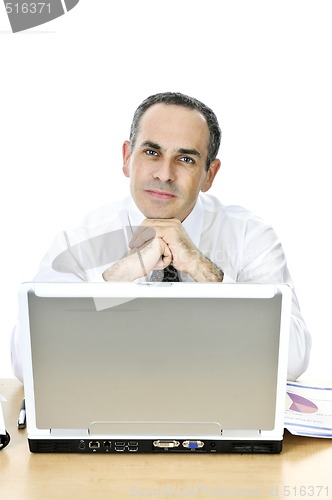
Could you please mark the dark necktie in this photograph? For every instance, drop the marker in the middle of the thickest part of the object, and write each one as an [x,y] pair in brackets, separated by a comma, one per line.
[167,274]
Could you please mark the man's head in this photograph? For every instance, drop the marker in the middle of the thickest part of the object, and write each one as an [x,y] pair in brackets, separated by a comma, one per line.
[171,155]
[179,99]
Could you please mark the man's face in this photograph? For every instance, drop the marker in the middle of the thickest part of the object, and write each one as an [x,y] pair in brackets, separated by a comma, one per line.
[167,165]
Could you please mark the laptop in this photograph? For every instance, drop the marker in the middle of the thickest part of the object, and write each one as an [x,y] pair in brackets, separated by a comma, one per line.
[155,367]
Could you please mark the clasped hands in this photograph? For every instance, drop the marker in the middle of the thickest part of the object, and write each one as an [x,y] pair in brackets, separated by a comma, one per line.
[157,243]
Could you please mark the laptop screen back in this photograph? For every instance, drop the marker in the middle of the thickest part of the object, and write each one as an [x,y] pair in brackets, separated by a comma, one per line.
[177,363]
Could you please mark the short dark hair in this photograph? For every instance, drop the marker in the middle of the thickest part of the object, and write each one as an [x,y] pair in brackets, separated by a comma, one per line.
[178,99]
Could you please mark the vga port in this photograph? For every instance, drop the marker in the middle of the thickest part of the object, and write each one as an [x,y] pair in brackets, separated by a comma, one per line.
[193,445]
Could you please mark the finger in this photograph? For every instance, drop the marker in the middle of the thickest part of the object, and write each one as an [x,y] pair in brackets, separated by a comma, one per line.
[160,265]
[167,256]
[164,261]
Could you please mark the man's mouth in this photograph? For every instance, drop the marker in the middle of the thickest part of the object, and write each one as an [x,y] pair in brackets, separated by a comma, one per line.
[160,194]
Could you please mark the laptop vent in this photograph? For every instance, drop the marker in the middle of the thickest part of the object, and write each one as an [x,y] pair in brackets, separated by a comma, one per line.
[53,446]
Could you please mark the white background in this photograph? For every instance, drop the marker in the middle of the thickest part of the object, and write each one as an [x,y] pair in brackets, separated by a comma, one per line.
[68,90]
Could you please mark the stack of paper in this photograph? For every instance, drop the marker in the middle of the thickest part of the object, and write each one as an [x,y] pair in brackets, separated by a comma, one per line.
[308,410]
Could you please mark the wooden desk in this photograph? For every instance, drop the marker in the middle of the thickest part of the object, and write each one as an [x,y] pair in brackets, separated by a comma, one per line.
[302,470]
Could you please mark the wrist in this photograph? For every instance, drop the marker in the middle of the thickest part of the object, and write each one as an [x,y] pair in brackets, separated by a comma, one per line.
[127,269]
[203,269]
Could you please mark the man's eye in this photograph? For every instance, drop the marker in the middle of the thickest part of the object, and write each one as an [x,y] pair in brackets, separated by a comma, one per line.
[187,160]
[150,152]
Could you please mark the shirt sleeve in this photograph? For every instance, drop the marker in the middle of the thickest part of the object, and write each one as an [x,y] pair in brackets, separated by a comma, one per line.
[62,263]
[68,270]
[264,261]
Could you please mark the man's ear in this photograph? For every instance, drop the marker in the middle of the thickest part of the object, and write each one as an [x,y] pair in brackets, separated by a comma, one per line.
[126,154]
[210,175]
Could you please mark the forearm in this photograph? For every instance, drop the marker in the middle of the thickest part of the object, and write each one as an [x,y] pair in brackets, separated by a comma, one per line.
[129,268]
[203,269]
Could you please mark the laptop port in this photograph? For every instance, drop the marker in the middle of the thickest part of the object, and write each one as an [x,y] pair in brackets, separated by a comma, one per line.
[81,445]
[94,445]
[166,444]
[119,446]
[132,446]
[193,445]
[107,444]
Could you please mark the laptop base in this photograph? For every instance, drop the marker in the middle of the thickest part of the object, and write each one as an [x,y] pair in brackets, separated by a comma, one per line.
[105,446]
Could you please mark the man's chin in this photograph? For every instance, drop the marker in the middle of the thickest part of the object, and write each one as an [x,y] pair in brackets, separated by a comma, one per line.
[156,211]
[159,215]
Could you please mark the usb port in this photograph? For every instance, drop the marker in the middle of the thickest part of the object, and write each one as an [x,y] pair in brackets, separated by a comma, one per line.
[119,446]
[132,446]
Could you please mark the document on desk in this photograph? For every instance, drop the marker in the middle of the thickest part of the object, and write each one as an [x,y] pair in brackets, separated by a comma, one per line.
[308,410]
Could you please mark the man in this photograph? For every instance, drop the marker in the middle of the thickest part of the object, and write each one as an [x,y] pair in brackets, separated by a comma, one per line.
[168,163]
[169,229]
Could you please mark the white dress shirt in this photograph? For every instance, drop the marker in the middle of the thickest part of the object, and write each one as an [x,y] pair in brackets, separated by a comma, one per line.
[237,241]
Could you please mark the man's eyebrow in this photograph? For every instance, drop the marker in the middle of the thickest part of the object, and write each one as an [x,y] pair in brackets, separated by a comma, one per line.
[150,145]
[192,152]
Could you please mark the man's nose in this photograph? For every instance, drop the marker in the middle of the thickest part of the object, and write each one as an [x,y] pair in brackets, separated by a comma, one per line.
[165,170]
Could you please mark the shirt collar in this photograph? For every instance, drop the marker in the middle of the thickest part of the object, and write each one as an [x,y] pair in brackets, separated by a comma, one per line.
[192,224]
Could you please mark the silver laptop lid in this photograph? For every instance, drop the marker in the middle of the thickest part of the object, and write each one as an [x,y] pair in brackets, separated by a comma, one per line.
[170,359]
